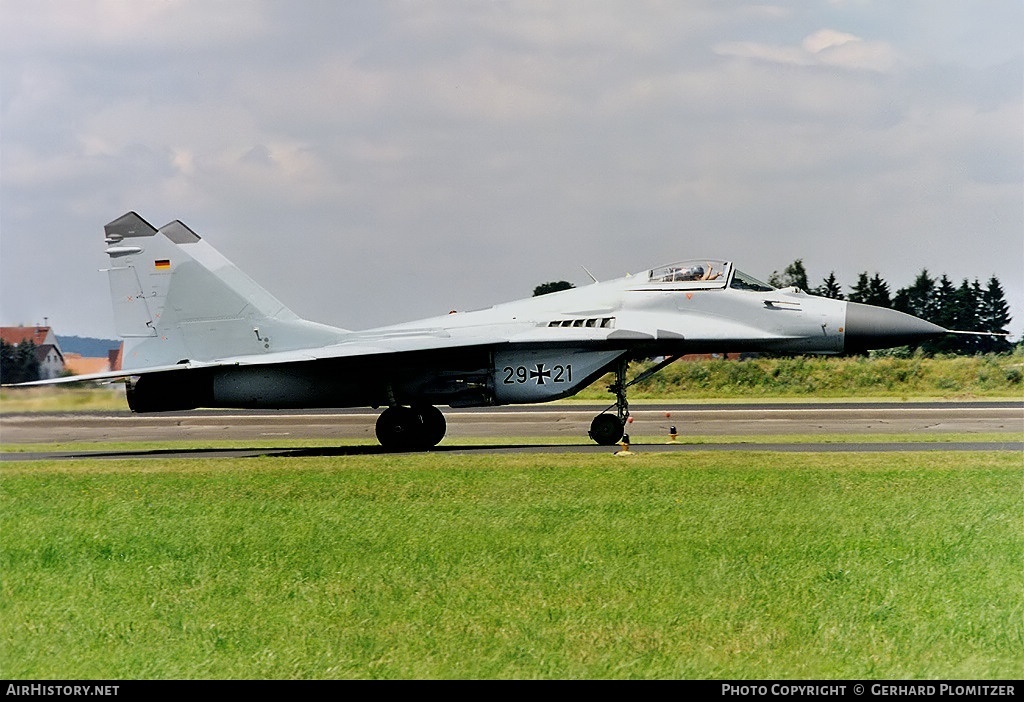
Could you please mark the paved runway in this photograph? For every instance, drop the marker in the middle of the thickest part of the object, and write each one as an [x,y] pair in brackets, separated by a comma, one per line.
[565,422]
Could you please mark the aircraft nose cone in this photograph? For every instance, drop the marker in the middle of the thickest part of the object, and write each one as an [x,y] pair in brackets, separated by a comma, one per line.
[870,327]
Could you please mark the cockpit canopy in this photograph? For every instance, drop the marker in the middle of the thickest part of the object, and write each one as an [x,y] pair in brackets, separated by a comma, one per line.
[706,273]
[702,270]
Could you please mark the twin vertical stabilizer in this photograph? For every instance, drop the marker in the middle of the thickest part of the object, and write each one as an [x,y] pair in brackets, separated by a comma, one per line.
[177,299]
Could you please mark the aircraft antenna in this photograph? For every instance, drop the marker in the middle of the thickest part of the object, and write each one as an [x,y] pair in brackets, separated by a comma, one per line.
[590,274]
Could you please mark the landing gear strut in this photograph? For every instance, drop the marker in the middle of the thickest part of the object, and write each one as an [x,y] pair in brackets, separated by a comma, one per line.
[405,428]
[607,429]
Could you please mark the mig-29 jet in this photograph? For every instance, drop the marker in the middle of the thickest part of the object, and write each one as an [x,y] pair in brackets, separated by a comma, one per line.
[200,333]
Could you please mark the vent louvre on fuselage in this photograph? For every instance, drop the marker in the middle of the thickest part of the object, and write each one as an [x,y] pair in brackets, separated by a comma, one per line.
[596,322]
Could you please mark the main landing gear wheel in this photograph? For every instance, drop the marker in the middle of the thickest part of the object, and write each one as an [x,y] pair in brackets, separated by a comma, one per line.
[606,429]
[405,428]
[433,425]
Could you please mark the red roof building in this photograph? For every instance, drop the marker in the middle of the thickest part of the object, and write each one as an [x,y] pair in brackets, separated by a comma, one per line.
[37,335]
[48,353]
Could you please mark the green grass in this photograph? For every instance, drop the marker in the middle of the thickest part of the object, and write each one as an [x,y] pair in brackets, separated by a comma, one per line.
[703,565]
[63,398]
[824,377]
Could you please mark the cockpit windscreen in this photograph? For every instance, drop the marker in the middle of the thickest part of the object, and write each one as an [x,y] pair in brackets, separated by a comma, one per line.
[742,281]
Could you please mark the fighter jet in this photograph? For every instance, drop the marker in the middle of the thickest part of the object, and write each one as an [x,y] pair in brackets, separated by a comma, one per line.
[198,332]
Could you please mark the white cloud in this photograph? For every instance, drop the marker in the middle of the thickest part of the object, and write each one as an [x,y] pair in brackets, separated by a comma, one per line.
[87,25]
[825,47]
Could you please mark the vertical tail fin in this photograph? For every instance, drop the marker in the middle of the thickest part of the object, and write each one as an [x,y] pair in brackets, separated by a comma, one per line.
[176,298]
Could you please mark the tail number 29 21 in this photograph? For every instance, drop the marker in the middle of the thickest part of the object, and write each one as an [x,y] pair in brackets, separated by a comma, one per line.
[538,374]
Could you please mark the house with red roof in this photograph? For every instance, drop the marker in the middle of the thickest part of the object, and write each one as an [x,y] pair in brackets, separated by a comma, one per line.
[48,353]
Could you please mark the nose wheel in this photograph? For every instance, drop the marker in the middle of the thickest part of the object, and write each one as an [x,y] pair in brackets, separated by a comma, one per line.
[607,429]
[410,428]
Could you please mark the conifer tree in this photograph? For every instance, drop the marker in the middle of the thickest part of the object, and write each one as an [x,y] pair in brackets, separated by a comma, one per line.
[917,299]
[871,291]
[18,362]
[878,292]
[994,316]
[860,291]
[830,288]
[945,316]
[958,311]
[944,291]
[966,300]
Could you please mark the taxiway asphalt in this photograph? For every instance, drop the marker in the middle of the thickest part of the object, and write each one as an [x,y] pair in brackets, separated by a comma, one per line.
[468,429]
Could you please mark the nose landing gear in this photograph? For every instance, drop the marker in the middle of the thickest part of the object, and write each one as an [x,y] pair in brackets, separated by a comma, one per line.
[607,429]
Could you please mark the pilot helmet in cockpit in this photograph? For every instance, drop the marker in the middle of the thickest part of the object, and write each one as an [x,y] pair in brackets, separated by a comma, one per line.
[692,273]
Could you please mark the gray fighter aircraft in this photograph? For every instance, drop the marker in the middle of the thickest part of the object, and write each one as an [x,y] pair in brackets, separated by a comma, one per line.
[200,333]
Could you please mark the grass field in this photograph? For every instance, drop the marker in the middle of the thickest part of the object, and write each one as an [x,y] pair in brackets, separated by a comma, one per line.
[733,565]
[704,565]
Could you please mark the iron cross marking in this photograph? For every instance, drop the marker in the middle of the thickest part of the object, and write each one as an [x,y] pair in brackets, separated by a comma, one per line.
[540,374]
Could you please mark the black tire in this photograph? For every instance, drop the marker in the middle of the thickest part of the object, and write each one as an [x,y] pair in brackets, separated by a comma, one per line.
[398,428]
[432,425]
[606,429]
[410,428]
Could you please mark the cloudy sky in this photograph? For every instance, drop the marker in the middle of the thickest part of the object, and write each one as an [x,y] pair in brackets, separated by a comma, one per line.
[372,162]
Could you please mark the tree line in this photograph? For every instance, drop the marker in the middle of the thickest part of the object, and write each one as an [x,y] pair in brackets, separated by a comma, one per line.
[969,306]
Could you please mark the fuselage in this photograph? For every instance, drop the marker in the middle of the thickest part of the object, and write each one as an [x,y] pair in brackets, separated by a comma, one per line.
[551,346]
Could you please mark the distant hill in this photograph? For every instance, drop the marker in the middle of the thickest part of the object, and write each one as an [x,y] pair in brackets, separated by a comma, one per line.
[87,346]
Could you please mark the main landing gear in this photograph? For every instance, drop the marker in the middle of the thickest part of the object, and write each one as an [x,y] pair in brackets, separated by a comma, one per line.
[405,428]
[608,429]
